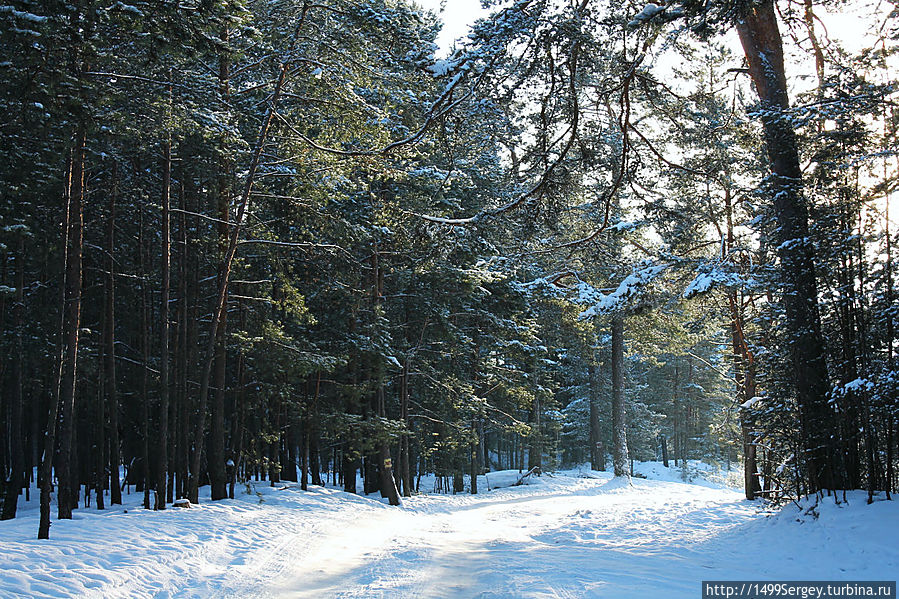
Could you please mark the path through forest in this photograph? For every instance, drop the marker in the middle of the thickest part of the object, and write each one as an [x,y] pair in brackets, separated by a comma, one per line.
[568,535]
[563,538]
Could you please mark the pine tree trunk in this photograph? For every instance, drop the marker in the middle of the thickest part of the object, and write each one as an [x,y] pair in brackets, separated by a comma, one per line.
[304,453]
[597,459]
[308,432]
[890,336]
[751,485]
[384,463]
[349,467]
[67,477]
[535,447]
[216,456]
[145,372]
[762,44]
[850,424]
[385,470]
[112,399]
[16,480]
[744,368]
[405,474]
[225,274]
[315,461]
[100,461]
[289,455]
[5,457]
[483,466]
[46,466]
[238,430]
[458,478]
[619,413]
[473,462]
[162,446]
[192,335]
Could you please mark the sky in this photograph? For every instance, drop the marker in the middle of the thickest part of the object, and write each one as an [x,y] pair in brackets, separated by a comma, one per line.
[458,15]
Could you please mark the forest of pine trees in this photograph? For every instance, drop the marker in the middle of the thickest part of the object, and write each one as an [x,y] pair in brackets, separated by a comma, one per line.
[292,241]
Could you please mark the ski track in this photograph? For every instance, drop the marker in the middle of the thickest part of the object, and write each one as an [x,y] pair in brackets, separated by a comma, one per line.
[565,537]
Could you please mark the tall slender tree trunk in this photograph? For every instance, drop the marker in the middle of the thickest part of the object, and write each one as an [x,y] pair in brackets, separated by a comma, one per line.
[744,367]
[349,454]
[5,450]
[535,445]
[619,412]
[216,458]
[308,431]
[109,369]
[597,459]
[473,459]
[16,480]
[162,446]
[762,44]
[385,462]
[890,414]
[217,474]
[274,448]
[67,477]
[745,375]
[191,335]
[405,472]
[238,429]
[315,461]
[289,454]
[483,466]
[100,459]
[225,274]
[387,482]
[145,370]
[46,466]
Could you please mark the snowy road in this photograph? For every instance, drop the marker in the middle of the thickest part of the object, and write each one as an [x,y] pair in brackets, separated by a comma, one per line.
[564,537]
[568,538]
[577,537]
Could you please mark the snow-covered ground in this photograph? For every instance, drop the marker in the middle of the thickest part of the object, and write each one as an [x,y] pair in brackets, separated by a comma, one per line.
[572,534]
